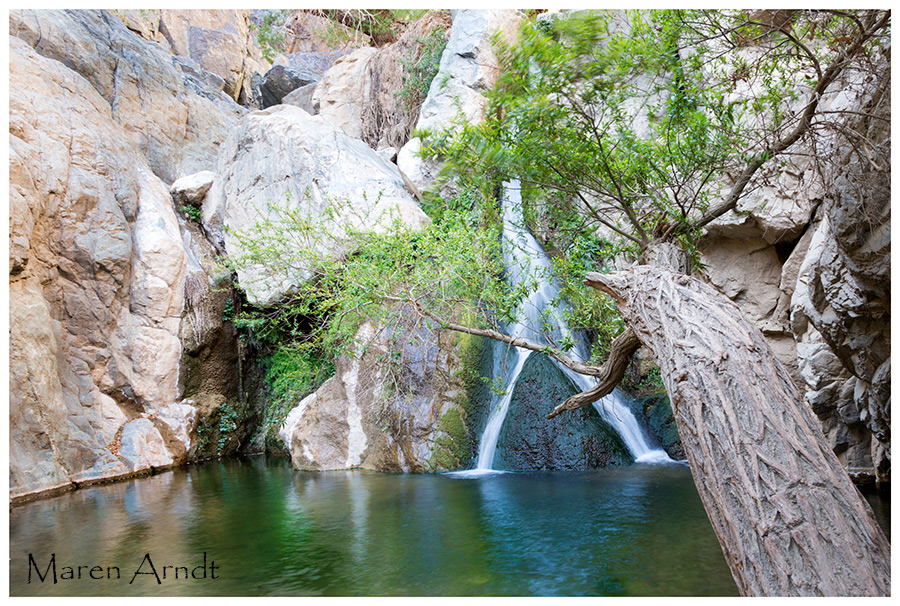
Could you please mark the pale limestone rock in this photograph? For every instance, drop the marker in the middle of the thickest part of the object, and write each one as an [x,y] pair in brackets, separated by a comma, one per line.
[282,155]
[747,271]
[286,431]
[468,68]
[779,209]
[351,421]
[221,41]
[145,23]
[143,447]
[182,419]
[177,130]
[97,270]
[192,188]
[340,94]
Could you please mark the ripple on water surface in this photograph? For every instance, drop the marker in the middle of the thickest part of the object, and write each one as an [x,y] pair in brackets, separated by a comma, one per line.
[270,530]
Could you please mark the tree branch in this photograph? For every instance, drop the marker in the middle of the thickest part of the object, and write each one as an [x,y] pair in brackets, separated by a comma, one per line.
[828,77]
[623,347]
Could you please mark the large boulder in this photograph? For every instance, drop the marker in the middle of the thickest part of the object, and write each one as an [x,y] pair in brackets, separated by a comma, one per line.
[176,129]
[282,157]
[341,93]
[370,92]
[407,401]
[97,271]
[221,42]
[282,80]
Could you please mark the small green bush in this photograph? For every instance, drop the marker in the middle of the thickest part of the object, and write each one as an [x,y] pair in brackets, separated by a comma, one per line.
[418,72]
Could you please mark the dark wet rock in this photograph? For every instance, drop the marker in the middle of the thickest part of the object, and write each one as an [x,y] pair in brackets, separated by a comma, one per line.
[576,440]
[281,80]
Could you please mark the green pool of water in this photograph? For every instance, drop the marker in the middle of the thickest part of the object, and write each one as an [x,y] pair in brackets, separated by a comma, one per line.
[270,530]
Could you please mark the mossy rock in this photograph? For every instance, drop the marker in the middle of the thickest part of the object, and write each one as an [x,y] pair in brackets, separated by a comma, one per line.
[654,414]
[578,439]
[454,449]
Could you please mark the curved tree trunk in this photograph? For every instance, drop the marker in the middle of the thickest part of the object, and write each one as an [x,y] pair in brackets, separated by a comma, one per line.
[788,518]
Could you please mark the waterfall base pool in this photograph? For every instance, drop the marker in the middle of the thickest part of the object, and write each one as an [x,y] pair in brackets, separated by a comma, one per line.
[270,530]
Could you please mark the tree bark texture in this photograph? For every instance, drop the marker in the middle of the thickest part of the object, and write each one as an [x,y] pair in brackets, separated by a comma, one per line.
[790,521]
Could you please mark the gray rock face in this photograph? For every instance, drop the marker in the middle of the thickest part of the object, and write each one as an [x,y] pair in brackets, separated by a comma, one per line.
[176,130]
[284,156]
[282,80]
[528,441]
[468,68]
[220,41]
[302,98]
[426,422]
[811,267]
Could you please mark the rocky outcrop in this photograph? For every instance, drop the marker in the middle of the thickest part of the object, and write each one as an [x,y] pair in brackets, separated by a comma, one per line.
[111,292]
[528,441]
[808,260]
[96,286]
[341,94]
[177,128]
[368,93]
[468,68]
[282,80]
[221,42]
[414,411]
[840,309]
[283,158]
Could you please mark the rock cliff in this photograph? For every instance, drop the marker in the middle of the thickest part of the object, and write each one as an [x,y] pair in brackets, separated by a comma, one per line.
[100,122]
[807,258]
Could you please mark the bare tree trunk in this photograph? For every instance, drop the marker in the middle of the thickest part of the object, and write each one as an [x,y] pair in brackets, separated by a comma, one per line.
[788,518]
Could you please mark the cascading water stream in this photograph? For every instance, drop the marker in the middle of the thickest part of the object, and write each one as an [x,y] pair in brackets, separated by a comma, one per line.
[525,259]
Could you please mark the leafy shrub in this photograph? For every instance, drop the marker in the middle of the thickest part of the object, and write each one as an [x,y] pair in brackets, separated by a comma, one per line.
[420,68]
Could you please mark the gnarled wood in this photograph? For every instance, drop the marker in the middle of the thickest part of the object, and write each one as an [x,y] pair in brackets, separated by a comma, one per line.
[623,347]
[788,518]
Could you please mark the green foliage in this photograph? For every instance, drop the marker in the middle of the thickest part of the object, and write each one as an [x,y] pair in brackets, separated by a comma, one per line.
[270,33]
[222,431]
[293,370]
[420,68]
[191,212]
[228,422]
[634,123]
[455,260]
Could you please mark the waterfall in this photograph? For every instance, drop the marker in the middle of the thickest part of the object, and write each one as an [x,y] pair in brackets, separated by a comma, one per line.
[525,259]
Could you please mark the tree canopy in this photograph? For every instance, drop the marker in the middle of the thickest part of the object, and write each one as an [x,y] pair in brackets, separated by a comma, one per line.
[648,125]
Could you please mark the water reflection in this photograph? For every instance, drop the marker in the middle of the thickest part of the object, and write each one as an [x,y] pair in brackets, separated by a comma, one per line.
[271,530]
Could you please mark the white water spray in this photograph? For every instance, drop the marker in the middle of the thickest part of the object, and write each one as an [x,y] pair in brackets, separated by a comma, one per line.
[525,259]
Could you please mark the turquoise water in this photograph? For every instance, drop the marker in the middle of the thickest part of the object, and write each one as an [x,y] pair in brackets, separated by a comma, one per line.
[270,530]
